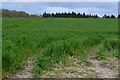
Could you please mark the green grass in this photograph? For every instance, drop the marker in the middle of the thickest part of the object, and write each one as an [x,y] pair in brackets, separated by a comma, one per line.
[53,39]
[108,48]
[0,48]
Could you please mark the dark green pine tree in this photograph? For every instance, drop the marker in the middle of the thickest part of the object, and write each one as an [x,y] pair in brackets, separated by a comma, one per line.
[112,16]
[44,14]
[83,15]
[119,16]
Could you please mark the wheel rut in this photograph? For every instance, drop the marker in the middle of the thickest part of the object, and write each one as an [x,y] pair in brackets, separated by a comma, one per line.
[26,72]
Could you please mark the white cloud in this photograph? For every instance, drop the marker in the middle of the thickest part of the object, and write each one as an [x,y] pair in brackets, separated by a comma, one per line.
[53,7]
[60,0]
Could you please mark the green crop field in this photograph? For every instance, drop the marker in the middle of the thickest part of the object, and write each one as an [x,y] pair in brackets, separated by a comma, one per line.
[52,40]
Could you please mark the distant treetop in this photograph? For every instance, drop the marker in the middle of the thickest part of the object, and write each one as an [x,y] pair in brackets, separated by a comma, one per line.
[13,13]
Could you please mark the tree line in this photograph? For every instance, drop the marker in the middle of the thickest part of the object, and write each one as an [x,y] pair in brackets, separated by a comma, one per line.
[74,15]
[13,13]
[69,15]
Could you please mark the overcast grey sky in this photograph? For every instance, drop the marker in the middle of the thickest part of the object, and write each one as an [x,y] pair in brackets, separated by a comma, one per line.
[99,8]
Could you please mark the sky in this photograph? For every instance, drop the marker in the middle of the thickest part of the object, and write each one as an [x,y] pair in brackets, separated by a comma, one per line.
[99,8]
[60,0]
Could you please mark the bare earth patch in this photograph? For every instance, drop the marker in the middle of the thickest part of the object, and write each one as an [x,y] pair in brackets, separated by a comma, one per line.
[82,71]
[92,68]
[75,71]
[103,72]
[79,70]
[26,72]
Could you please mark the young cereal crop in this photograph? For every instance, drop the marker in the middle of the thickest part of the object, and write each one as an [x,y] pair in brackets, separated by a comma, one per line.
[53,40]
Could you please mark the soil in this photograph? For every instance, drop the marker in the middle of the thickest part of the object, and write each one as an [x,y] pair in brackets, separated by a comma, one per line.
[26,72]
[95,69]
[79,70]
